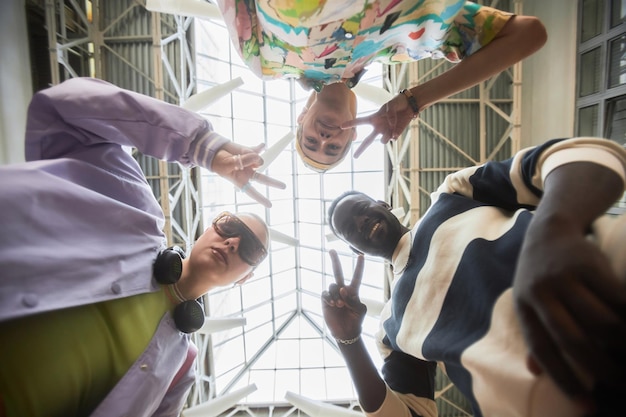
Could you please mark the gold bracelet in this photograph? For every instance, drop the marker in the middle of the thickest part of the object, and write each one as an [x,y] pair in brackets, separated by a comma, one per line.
[412,102]
[348,341]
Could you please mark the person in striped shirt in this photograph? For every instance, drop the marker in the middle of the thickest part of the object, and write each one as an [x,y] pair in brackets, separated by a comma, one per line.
[505,282]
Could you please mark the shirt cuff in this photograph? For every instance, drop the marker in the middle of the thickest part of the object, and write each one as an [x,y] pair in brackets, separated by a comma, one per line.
[600,151]
[203,150]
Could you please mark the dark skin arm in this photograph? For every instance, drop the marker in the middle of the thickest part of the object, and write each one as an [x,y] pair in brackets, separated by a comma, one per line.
[571,305]
[520,37]
[344,314]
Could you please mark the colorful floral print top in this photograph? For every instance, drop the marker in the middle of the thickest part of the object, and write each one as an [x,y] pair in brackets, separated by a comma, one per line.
[326,41]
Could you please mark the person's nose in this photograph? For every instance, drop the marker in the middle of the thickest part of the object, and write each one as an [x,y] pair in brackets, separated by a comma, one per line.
[233,243]
[325,134]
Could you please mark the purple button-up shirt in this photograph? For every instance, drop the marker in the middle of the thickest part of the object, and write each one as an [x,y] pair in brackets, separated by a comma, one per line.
[79,223]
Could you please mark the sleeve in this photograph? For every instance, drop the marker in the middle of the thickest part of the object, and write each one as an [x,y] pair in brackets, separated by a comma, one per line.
[177,393]
[518,182]
[246,34]
[474,27]
[410,387]
[82,113]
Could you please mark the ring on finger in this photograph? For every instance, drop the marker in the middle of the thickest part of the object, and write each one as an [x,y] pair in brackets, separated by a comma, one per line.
[240,162]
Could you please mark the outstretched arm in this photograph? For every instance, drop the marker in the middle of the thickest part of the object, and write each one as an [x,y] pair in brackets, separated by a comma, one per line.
[344,314]
[520,37]
[86,113]
[572,307]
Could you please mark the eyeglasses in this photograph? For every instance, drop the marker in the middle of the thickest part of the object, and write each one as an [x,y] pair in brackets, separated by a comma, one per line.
[251,250]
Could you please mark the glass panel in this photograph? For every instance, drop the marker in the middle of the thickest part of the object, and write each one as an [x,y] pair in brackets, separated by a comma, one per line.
[591,19]
[289,353]
[617,61]
[278,111]
[256,291]
[228,355]
[313,383]
[310,350]
[286,380]
[590,72]
[616,120]
[311,281]
[588,121]
[339,384]
[264,112]
[618,12]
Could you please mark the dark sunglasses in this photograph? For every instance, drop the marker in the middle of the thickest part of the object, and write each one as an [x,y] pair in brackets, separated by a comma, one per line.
[251,250]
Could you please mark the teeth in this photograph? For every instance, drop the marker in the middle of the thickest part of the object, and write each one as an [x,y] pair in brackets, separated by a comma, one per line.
[373,230]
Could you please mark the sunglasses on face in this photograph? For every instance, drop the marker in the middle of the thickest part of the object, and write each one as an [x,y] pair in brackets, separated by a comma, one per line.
[251,250]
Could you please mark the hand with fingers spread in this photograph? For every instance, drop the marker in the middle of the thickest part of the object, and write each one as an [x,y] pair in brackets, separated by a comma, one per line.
[343,310]
[570,303]
[572,308]
[388,122]
[238,164]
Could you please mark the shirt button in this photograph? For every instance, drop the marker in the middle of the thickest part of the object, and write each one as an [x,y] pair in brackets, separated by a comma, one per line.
[116,288]
[348,35]
[30,300]
[143,367]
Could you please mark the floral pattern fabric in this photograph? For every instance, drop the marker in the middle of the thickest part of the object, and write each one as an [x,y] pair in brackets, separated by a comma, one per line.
[328,41]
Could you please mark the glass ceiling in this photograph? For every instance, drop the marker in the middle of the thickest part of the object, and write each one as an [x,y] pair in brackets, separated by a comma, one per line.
[284,345]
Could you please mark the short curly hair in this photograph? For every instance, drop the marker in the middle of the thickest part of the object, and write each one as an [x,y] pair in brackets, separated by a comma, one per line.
[333,206]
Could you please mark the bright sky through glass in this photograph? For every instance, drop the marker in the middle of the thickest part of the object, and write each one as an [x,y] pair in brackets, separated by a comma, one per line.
[284,345]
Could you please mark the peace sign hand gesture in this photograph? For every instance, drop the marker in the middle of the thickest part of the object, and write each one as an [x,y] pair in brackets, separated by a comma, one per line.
[343,310]
[389,122]
[238,164]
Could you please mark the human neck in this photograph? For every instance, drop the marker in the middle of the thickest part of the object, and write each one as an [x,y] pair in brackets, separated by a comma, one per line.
[189,286]
[338,95]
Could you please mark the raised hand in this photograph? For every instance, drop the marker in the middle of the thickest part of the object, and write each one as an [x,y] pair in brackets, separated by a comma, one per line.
[238,164]
[343,310]
[389,122]
[572,310]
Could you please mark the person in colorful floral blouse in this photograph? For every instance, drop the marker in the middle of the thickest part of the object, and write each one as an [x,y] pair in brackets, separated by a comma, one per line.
[327,47]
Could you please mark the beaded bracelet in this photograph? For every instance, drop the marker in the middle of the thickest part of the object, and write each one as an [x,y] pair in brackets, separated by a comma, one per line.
[348,341]
[412,102]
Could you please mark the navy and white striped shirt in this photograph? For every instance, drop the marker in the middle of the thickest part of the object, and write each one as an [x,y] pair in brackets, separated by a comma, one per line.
[452,303]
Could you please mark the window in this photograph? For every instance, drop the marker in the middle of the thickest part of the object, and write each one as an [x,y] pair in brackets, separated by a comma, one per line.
[601,69]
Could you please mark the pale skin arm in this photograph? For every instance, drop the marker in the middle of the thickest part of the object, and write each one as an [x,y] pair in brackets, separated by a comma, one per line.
[520,37]
[571,305]
[344,314]
[238,164]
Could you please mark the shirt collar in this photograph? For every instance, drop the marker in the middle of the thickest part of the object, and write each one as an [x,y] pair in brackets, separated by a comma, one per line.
[318,83]
[400,257]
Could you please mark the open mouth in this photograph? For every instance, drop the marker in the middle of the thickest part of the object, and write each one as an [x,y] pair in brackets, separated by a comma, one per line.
[328,124]
[373,231]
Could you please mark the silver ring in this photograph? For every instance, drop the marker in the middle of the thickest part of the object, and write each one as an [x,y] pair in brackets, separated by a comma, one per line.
[255,176]
[240,162]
